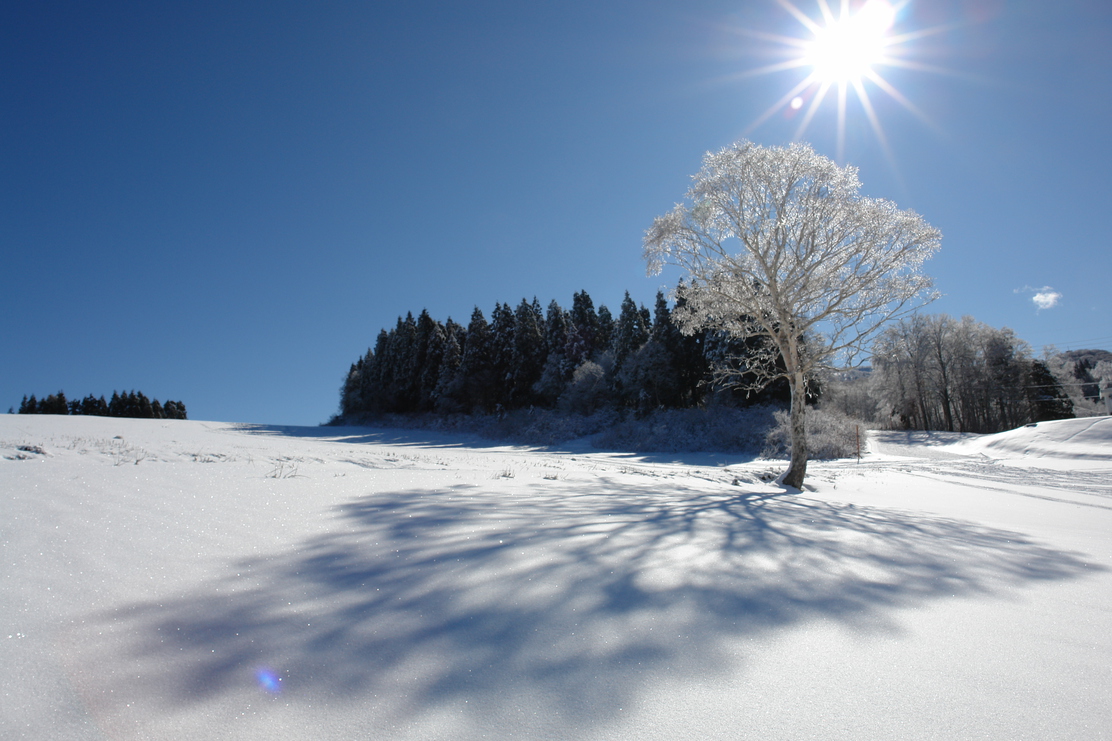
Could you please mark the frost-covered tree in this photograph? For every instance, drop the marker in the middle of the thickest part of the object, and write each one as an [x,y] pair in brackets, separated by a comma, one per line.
[778,243]
[934,372]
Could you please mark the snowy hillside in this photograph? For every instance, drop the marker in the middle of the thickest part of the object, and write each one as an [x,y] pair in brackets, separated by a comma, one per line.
[200,580]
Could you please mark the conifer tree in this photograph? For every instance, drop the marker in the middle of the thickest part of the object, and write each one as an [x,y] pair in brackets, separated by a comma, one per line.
[502,354]
[529,351]
[476,365]
[54,404]
[1045,395]
[401,388]
[433,340]
[349,390]
[143,408]
[374,375]
[631,331]
[557,368]
[583,332]
[606,328]
[449,385]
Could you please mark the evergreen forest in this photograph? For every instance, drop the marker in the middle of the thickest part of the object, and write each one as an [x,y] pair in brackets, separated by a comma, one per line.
[578,360]
[131,404]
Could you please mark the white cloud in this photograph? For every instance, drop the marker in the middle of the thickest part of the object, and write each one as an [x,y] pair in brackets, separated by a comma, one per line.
[1043,298]
[1046,298]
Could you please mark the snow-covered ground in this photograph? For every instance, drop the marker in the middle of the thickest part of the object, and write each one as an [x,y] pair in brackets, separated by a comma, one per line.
[198,580]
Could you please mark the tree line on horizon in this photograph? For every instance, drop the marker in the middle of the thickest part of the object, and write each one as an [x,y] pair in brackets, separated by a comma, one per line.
[929,372]
[130,404]
[579,360]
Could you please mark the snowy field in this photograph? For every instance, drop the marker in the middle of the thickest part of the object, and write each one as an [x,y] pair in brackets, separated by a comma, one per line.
[200,580]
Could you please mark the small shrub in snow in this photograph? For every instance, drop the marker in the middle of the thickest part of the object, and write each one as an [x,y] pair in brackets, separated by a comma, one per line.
[830,434]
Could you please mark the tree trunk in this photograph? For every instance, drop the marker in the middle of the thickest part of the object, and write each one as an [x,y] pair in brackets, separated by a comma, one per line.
[798,468]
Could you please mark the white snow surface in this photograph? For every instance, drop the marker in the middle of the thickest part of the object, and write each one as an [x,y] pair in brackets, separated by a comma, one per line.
[199,580]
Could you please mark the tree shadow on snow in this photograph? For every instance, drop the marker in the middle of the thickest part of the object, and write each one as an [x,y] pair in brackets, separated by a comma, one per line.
[423,438]
[411,437]
[552,603]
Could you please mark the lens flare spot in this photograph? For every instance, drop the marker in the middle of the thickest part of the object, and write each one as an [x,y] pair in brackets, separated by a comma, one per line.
[797,103]
[269,682]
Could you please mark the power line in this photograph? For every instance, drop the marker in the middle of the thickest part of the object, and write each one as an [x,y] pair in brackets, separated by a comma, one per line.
[1106,338]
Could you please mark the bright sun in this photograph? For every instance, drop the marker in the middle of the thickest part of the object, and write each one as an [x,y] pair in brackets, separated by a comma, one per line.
[846,49]
[842,51]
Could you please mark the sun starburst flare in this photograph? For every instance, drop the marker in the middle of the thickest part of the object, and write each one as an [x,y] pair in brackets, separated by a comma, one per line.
[843,51]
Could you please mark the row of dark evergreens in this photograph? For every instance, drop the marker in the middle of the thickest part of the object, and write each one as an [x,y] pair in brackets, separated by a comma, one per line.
[580,359]
[130,404]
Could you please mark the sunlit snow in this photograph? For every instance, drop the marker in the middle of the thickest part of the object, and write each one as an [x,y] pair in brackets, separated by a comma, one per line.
[198,580]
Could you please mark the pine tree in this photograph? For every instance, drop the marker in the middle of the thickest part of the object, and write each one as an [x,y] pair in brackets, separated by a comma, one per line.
[557,367]
[349,390]
[477,366]
[691,360]
[143,408]
[528,353]
[435,339]
[631,331]
[401,386]
[583,332]
[1045,396]
[502,354]
[54,404]
[94,407]
[606,328]
[374,374]
[449,392]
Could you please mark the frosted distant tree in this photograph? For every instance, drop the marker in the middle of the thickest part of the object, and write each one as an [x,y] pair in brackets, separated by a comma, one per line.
[778,243]
[934,372]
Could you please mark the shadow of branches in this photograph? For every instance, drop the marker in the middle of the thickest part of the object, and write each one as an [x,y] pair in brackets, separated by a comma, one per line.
[556,600]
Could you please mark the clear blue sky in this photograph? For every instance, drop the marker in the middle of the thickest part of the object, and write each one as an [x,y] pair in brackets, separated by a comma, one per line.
[223,203]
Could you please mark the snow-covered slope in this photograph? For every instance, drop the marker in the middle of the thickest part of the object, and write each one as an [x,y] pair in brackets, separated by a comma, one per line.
[198,580]
[1089,438]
